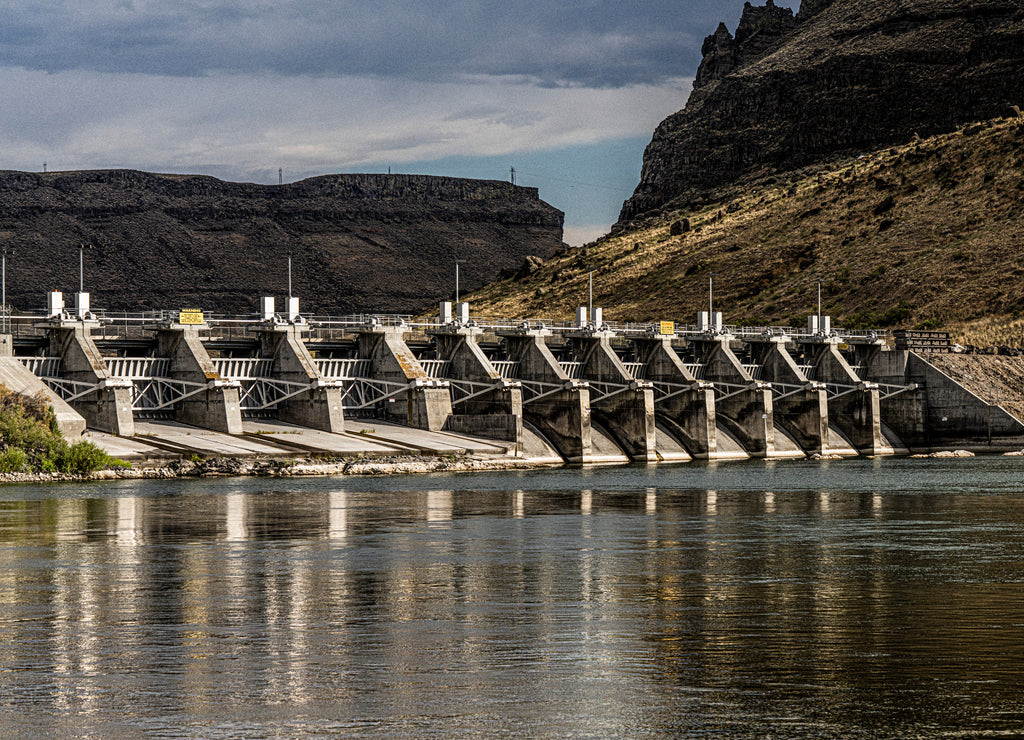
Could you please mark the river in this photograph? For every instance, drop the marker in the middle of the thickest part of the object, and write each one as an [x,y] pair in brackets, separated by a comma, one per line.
[846,599]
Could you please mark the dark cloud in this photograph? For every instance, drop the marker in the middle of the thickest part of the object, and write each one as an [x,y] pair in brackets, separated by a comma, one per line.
[596,43]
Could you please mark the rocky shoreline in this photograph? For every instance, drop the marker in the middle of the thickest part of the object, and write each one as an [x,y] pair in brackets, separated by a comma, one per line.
[225,467]
[309,467]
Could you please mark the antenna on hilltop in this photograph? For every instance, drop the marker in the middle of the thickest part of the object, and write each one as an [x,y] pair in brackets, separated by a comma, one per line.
[513,173]
[280,176]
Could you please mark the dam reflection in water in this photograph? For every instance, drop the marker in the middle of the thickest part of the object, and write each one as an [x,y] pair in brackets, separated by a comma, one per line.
[241,609]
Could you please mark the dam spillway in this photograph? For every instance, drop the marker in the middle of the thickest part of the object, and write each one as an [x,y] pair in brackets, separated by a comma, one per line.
[581,392]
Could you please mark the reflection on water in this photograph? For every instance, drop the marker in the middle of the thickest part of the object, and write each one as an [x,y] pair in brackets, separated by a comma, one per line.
[520,605]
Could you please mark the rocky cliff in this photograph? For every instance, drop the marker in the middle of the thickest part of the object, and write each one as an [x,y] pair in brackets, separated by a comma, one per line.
[923,235]
[360,243]
[838,78]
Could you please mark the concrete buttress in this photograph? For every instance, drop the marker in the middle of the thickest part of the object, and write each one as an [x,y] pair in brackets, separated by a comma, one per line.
[687,407]
[108,408]
[562,412]
[427,403]
[495,412]
[215,407]
[743,405]
[320,405]
[800,405]
[855,405]
[626,406]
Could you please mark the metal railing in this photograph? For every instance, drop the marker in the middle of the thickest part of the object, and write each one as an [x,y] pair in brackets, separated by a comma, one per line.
[754,371]
[636,370]
[572,369]
[506,368]
[343,368]
[435,368]
[238,368]
[138,367]
[43,367]
[225,326]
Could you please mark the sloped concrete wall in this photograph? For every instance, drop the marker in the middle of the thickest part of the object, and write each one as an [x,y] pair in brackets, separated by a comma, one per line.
[17,378]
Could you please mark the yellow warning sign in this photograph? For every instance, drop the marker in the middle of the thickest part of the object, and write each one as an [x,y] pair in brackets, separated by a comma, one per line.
[668,327]
[190,316]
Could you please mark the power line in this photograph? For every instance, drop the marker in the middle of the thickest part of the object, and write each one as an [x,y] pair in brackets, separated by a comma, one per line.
[576,182]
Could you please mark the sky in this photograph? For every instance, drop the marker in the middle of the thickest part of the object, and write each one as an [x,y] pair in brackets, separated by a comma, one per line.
[567,93]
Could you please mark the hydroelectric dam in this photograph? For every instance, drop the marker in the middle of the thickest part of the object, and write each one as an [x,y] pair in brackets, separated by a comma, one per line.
[169,384]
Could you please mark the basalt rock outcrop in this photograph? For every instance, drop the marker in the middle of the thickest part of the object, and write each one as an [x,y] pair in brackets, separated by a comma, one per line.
[359,243]
[838,78]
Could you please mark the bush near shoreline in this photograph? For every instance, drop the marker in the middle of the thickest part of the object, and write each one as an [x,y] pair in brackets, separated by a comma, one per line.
[31,441]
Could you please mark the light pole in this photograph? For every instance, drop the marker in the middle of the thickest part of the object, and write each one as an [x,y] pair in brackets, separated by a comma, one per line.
[711,294]
[591,303]
[289,275]
[81,267]
[3,279]
[457,261]
[819,305]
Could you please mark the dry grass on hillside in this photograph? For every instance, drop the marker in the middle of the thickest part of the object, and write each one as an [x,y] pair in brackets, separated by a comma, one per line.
[924,235]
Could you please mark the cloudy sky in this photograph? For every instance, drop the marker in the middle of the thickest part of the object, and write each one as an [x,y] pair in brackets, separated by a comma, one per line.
[567,93]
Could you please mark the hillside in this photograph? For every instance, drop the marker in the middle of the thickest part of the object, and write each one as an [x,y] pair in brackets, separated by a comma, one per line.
[361,243]
[841,77]
[924,234]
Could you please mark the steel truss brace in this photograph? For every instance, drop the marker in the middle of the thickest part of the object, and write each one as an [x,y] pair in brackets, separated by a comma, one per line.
[754,386]
[895,390]
[259,394]
[167,392]
[671,390]
[537,386]
[457,385]
[71,390]
[365,392]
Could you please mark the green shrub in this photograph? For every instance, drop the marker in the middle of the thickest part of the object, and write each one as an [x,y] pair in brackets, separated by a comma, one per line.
[13,460]
[81,457]
[31,440]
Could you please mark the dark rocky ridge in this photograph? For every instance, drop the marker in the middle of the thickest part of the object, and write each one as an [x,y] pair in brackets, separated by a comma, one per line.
[843,76]
[360,243]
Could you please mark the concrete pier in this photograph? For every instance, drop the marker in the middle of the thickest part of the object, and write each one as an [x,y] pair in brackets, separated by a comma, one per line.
[559,408]
[623,405]
[854,404]
[800,405]
[425,403]
[491,406]
[687,405]
[743,405]
[108,405]
[212,402]
[319,404]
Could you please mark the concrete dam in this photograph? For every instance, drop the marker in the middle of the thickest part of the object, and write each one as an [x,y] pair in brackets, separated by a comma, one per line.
[278,384]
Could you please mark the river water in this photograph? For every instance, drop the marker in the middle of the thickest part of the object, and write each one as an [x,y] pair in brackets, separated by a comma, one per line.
[847,599]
